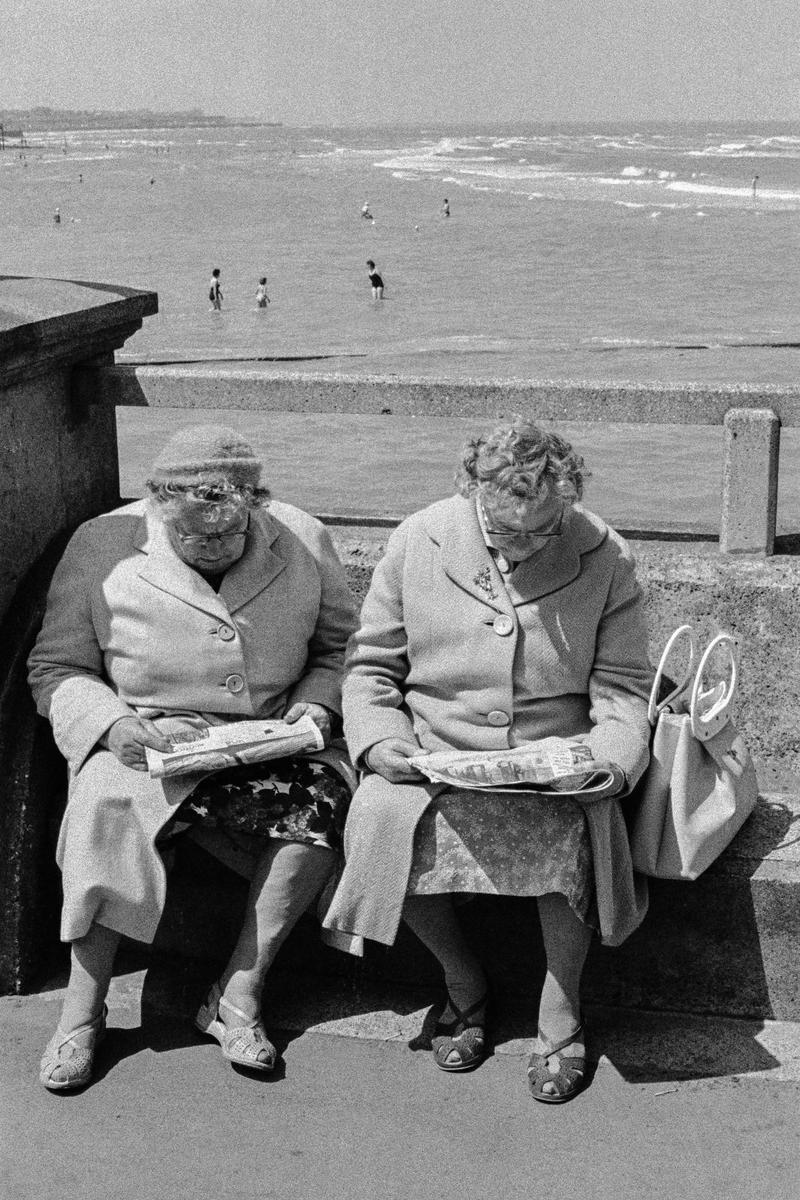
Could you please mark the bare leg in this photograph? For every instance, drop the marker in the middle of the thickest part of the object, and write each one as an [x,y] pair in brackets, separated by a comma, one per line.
[288,877]
[92,964]
[566,943]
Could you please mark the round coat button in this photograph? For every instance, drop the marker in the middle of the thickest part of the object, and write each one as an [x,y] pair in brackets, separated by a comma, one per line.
[235,683]
[498,717]
[226,633]
[503,625]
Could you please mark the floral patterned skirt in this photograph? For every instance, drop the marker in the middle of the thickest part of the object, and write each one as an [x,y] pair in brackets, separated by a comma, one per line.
[496,844]
[292,799]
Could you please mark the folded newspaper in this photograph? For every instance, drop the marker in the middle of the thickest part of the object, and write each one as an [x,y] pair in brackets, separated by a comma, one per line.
[550,765]
[234,744]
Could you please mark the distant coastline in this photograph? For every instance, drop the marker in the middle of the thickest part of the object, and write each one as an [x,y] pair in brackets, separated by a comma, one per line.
[42,119]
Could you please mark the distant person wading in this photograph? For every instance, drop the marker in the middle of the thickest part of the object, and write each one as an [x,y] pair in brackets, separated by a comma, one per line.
[376,281]
[262,299]
[215,291]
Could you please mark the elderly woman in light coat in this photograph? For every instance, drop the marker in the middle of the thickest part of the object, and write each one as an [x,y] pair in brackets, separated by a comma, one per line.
[503,615]
[201,604]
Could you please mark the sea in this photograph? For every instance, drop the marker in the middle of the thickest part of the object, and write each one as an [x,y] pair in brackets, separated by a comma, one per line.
[604,253]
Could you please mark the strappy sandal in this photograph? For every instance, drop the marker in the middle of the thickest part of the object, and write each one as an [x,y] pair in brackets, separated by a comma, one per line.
[72,1061]
[568,1079]
[241,1045]
[466,1038]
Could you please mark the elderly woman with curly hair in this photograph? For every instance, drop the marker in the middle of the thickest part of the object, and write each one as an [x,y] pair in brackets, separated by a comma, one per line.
[506,614]
[204,603]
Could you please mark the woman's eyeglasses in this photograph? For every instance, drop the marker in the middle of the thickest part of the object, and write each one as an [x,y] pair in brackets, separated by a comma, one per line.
[549,531]
[201,541]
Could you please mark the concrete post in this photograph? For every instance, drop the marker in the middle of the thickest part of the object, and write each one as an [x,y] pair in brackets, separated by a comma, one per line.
[749,481]
[58,467]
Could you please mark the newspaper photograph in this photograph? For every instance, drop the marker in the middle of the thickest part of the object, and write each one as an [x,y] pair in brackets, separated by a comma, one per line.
[552,764]
[234,744]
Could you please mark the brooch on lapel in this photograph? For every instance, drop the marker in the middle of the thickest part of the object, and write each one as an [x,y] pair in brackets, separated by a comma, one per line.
[483,579]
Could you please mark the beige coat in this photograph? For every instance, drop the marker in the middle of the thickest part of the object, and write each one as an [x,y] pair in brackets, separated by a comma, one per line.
[450,657]
[131,629]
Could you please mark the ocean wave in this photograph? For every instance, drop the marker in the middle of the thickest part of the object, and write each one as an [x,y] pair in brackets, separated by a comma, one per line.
[761,148]
[647,172]
[490,167]
[734,193]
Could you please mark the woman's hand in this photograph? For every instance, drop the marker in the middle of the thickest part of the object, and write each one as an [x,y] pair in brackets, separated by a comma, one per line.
[318,713]
[389,758]
[127,738]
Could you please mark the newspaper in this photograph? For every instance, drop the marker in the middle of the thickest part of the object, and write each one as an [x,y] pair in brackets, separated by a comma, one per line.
[552,764]
[234,744]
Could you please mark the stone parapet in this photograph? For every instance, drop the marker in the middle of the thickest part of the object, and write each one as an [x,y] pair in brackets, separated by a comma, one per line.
[58,467]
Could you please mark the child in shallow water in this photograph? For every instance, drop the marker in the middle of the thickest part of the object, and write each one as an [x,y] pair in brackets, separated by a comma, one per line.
[376,281]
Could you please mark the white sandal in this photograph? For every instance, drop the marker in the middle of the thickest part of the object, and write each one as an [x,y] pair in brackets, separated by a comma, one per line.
[242,1044]
[75,1062]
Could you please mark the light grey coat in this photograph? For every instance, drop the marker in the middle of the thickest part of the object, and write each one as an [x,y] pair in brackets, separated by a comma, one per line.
[131,629]
[432,662]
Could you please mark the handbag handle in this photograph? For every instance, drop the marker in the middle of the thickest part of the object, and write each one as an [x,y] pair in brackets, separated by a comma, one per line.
[709,712]
[654,709]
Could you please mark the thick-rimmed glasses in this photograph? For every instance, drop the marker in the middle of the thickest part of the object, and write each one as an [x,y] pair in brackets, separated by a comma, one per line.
[549,531]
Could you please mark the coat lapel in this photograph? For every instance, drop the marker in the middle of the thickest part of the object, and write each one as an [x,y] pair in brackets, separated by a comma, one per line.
[455,527]
[259,565]
[164,570]
[466,559]
[558,563]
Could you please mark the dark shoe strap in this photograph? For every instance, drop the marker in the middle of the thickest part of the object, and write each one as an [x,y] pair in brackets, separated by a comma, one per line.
[462,1017]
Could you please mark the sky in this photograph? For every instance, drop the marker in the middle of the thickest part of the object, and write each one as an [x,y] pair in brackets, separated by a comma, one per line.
[362,62]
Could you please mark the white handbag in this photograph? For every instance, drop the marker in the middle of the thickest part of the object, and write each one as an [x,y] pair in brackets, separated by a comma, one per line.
[700,786]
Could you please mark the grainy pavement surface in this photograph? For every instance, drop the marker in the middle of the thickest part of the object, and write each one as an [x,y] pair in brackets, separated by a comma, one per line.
[353,1113]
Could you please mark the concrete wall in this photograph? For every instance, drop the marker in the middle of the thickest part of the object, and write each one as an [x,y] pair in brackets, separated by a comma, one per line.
[58,467]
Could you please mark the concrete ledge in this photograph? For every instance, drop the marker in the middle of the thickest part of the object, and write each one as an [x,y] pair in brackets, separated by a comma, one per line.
[223,384]
[63,321]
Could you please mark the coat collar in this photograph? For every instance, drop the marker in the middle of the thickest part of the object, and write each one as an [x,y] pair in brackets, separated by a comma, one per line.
[453,524]
[260,564]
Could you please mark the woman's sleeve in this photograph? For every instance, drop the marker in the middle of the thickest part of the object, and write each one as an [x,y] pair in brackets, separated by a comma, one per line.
[65,667]
[321,682]
[619,685]
[377,660]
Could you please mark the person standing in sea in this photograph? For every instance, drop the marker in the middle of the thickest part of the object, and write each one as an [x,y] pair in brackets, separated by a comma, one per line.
[445,207]
[262,299]
[215,291]
[376,281]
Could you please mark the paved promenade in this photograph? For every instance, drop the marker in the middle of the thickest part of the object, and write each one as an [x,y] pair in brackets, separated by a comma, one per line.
[684,1108]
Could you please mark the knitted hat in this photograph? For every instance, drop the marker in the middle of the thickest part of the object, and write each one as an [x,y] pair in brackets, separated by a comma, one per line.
[206,454]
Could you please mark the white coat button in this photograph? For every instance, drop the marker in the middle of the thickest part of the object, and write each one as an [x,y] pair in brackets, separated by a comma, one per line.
[226,633]
[235,683]
[498,717]
[503,625]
